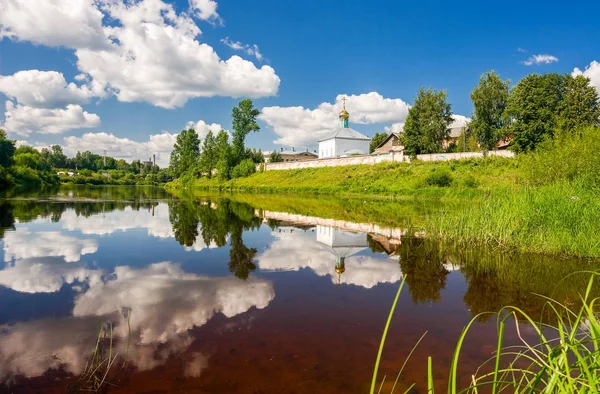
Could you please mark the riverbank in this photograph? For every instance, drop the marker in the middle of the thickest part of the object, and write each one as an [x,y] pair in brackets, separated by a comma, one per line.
[543,202]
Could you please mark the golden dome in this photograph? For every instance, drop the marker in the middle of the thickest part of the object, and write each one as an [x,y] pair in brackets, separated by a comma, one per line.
[340,269]
[344,114]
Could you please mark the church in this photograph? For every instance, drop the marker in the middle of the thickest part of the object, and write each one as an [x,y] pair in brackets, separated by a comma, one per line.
[344,141]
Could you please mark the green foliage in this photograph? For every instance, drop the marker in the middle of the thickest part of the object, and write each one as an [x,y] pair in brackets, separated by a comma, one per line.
[531,113]
[580,106]
[208,157]
[245,168]
[224,155]
[439,179]
[275,157]
[489,98]
[427,123]
[255,155]
[186,151]
[7,150]
[55,157]
[244,121]
[377,139]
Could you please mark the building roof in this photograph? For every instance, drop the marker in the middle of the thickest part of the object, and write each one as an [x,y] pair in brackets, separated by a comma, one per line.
[346,133]
[291,153]
[397,135]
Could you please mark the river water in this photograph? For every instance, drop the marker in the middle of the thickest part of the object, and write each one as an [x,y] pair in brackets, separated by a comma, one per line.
[243,294]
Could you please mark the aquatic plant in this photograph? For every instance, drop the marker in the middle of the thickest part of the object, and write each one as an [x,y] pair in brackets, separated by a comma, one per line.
[562,357]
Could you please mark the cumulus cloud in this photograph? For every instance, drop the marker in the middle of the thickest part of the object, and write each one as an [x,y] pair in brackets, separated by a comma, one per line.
[292,251]
[45,89]
[299,126]
[202,128]
[148,52]
[67,23]
[123,148]
[24,120]
[205,10]
[251,50]
[460,120]
[540,59]
[395,128]
[592,71]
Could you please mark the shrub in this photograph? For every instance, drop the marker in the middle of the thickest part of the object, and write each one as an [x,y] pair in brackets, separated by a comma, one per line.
[26,176]
[470,182]
[244,169]
[439,179]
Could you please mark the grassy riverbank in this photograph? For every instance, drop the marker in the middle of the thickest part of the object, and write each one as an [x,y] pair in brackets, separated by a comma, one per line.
[543,202]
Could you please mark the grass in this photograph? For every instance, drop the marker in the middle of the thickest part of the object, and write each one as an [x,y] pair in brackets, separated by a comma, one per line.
[563,357]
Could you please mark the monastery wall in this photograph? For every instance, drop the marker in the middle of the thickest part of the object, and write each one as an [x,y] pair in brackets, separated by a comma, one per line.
[375,159]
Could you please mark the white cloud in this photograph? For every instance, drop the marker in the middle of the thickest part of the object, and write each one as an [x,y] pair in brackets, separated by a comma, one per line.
[298,126]
[23,244]
[202,128]
[148,52]
[205,10]
[540,59]
[395,128]
[124,148]
[460,120]
[68,23]
[24,120]
[592,71]
[251,50]
[45,89]
[292,251]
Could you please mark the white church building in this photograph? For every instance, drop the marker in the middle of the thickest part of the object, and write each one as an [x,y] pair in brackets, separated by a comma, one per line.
[344,141]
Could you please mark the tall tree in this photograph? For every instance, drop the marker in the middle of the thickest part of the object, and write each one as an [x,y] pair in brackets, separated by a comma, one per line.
[208,157]
[580,106]
[427,123]
[275,157]
[185,152]
[7,150]
[224,159]
[377,139]
[244,121]
[531,113]
[489,99]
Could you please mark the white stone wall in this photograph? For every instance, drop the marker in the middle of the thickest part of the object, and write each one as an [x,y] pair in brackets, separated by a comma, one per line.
[327,149]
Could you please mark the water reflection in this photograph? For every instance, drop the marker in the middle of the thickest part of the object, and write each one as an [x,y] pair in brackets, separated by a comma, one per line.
[177,301]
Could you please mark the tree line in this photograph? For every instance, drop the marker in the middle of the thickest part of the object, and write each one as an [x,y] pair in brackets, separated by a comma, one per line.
[537,108]
[218,156]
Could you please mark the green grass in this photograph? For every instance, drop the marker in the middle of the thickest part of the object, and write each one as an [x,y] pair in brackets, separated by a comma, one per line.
[456,179]
[562,356]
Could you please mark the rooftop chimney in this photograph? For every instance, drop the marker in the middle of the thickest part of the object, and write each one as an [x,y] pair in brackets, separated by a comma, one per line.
[153,160]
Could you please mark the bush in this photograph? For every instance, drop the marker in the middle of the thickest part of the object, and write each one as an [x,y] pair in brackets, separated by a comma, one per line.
[25,176]
[439,179]
[470,182]
[244,169]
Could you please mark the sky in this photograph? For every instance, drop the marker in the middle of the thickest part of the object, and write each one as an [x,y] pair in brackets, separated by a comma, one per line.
[126,76]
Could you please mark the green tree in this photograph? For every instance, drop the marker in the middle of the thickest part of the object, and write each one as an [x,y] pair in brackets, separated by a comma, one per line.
[580,106]
[7,150]
[275,157]
[255,155]
[243,121]
[55,156]
[224,158]
[208,157]
[185,153]
[377,139]
[531,113]
[427,123]
[489,98]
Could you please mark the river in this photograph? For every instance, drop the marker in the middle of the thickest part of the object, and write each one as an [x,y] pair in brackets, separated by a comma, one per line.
[245,294]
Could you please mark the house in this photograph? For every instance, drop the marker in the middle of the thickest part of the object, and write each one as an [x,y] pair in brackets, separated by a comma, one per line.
[391,144]
[455,133]
[292,155]
[344,141]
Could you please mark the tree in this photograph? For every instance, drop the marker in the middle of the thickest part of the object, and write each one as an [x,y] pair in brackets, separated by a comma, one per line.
[185,153]
[377,140]
[489,98]
[427,123]
[208,157]
[531,112]
[244,121]
[580,106]
[224,159]
[55,156]
[275,157]
[7,150]
[255,155]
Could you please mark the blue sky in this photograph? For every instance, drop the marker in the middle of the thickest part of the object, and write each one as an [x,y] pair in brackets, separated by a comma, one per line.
[311,53]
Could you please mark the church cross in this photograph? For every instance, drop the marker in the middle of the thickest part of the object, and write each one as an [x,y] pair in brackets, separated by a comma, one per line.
[344,100]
